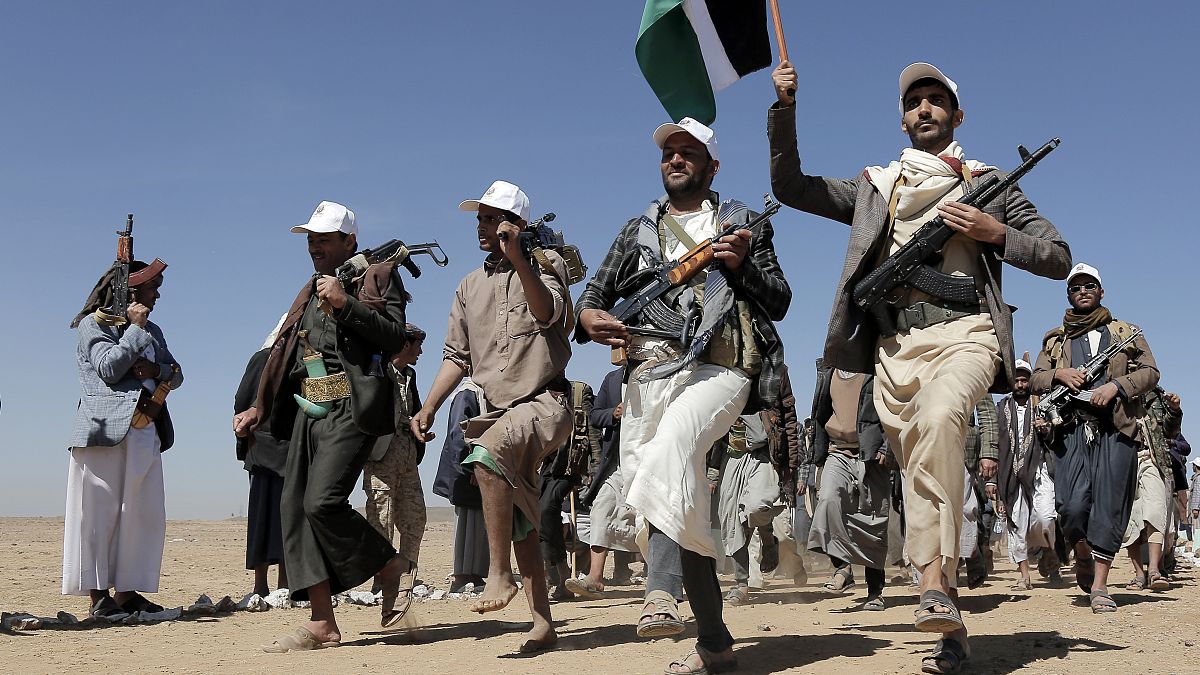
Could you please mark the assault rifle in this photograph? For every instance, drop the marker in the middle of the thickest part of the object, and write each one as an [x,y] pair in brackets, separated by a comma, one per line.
[538,236]
[114,314]
[393,249]
[1053,407]
[909,265]
[647,300]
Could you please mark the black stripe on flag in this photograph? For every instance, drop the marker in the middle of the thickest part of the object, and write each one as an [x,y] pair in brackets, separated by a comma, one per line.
[742,27]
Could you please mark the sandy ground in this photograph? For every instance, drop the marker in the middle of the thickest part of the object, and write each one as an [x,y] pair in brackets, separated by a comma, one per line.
[788,628]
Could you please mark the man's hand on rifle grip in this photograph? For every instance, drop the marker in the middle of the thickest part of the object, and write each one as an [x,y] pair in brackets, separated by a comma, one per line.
[603,327]
[731,249]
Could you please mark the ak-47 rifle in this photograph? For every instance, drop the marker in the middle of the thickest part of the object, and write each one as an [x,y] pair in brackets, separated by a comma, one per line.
[909,265]
[393,249]
[114,314]
[1054,406]
[673,274]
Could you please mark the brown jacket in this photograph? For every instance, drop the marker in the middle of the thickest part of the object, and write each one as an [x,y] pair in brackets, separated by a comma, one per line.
[1031,243]
[372,322]
[1133,369]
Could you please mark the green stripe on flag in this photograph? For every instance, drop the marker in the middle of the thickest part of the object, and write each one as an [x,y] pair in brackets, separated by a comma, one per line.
[668,52]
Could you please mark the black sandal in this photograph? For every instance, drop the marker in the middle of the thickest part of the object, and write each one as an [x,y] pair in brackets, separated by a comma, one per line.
[136,603]
[106,607]
[948,651]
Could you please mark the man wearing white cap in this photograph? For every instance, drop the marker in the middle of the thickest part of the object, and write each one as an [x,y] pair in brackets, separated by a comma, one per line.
[1096,450]
[1150,520]
[322,359]
[509,330]
[681,399]
[946,354]
[1024,484]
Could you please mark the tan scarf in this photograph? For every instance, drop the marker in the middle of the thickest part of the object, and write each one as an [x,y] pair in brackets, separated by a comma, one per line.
[1078,323]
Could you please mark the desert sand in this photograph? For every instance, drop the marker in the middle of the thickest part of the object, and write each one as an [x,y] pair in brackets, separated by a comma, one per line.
[787,628]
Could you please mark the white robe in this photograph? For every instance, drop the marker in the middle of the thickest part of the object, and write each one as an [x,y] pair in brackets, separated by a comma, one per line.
[116,517]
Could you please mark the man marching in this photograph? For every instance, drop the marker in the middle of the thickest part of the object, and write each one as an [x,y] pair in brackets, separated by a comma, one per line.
[944,355]
[679,401]
[1024,484]
[509,330]
[328,358]
[1096,449]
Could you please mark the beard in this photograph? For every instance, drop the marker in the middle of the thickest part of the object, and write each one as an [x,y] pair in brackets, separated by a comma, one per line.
[685,187]
[926,138]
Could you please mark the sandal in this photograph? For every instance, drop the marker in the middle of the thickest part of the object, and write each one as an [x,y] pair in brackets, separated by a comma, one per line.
[302,640]
[106,607]
[874,604]
[842,580]
[1101,602]
[389,613]
[737,596]
[136,603]
[659,603]
[937,621]
[587,588]
[1022,585]
[1138,583]
[708,663]
[1159,583]
[947,651]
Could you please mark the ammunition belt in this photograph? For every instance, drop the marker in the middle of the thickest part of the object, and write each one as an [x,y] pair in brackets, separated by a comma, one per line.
[926,314]
[325,389]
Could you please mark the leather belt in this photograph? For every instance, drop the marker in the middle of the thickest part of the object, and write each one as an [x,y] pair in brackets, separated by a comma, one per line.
[324,389]
[926,314]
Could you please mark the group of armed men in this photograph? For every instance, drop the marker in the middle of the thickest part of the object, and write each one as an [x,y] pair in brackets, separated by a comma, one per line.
[694,440]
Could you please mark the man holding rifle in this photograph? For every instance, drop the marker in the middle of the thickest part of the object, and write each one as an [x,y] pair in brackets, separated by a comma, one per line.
[509,330]
[685,390]
[933,357]
[324,387]
[1096,442]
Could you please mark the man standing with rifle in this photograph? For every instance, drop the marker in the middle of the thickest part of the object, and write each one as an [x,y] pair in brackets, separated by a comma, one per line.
[324,388]
[684,391]
[940,338]
[1095,433]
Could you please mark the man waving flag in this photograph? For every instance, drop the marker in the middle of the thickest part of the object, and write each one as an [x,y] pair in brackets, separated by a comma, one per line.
[690,49]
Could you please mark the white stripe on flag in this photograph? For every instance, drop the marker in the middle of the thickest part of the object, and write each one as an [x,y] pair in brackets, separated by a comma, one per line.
[721,73]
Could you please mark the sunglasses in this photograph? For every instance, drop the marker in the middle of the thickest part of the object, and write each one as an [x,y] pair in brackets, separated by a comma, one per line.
[1089,286]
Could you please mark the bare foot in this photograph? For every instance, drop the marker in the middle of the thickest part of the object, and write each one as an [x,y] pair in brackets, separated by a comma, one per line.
[539,639]
[498,592]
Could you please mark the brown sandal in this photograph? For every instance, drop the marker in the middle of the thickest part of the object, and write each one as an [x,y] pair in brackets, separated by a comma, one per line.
[659,603]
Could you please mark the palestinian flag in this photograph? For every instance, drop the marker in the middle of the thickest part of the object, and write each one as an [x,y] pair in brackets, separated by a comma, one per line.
[690,49]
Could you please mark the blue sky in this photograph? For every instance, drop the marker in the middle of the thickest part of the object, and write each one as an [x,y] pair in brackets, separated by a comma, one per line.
[221,124]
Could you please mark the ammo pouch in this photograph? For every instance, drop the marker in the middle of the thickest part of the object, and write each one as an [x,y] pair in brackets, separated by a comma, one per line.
[734,345]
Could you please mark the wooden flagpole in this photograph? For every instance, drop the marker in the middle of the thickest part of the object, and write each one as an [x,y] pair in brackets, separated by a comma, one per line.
[783,55]
[779,39]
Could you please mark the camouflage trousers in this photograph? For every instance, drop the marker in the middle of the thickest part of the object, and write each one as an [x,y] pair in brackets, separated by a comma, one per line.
[395,500]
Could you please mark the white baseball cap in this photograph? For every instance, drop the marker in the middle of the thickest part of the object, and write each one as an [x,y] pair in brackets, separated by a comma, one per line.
[1084,268]
[501,195]
[697,131]
[329,217]
[920,70]
[1196,462]
[1022,364]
